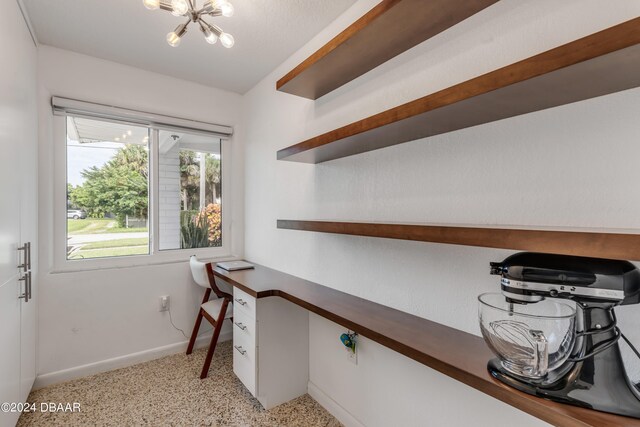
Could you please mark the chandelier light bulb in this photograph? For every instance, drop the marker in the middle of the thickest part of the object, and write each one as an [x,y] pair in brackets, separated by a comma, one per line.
[151,4]
[227,40]
[173,39]
[226,8]
[211,38]
[179,7]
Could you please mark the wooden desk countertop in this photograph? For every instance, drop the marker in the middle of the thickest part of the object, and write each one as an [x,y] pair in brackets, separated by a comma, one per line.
[455,353]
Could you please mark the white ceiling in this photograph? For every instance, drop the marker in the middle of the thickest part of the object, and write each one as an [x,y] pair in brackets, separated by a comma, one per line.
[266,33]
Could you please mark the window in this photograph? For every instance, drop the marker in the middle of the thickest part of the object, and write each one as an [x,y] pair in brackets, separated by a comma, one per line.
[138,187]
[190,191]
[107,189]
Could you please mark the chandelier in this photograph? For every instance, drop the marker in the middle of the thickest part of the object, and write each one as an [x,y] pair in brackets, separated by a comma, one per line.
[188,8]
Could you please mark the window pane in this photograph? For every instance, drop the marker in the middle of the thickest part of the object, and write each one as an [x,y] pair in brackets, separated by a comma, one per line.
[107,189]
[190,191]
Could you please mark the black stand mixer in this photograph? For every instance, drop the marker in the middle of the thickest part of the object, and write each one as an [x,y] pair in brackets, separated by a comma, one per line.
[593,374]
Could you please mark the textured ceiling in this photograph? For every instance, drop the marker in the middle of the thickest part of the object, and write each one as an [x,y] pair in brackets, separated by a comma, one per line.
[266,33]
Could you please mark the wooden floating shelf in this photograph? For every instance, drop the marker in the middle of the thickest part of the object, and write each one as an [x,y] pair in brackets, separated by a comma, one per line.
[591,243]
[452,352]
[390,28]
[602,63]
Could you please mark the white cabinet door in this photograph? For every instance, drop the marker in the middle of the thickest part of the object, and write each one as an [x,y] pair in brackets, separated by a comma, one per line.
[10,136]
[28,160]
[9,348]
[18,204]
[14,77]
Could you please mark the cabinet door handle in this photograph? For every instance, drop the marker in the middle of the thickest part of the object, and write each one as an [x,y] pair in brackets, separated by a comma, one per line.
[240,349]
[240,325]
[240,301]
[29,281]
[25,295]
[26,263]
[25,257]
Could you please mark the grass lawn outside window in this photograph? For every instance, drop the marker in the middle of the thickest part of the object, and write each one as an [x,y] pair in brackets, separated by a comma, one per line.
[96,238]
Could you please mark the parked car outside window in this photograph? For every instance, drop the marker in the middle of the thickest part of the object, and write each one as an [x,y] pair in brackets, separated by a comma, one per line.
[76,214]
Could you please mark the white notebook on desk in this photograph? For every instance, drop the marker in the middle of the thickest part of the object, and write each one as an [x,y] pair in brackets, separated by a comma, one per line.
[234,265]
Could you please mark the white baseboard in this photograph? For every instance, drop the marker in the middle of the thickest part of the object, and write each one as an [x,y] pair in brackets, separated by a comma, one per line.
[332,406]
[122,361]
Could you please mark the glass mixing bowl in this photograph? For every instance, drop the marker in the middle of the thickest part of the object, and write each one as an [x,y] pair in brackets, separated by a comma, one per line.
[529,339]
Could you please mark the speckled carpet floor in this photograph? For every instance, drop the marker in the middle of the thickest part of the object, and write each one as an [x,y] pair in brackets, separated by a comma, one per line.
[169,392]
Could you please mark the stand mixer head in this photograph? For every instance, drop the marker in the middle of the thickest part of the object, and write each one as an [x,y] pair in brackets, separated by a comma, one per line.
[547,348]
[530,277]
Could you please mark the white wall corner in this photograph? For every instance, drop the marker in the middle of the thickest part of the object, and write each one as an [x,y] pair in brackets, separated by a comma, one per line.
[334,408]
[27,21]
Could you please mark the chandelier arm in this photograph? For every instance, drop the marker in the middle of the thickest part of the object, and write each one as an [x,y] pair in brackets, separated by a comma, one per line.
[210,8]
[165,5]
[203,12]
[212,27]
[182,28]
[216,30]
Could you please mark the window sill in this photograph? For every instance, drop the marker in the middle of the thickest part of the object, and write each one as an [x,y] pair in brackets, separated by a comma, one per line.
[166,257]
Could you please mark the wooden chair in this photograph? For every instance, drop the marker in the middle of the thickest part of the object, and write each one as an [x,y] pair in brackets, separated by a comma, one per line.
[215,311]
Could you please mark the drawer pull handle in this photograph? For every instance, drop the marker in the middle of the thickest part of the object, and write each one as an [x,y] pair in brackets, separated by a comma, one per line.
[240,349]
[240,325]
[240,301]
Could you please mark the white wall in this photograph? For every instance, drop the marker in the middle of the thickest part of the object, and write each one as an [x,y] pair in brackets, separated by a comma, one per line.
[576,165]
[89,317]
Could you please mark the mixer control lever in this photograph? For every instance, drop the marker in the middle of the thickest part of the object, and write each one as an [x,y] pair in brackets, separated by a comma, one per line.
[496,268]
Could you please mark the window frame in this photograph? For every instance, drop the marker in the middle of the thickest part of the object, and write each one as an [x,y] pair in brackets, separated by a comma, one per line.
[155,256]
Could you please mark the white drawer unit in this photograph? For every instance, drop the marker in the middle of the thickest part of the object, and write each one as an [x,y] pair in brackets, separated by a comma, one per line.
[244,340]
[270,340]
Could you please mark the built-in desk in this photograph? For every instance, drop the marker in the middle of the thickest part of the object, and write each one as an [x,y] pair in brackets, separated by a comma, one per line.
[281,340]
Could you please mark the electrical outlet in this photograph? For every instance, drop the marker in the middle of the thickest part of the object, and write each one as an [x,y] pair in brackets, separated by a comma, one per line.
[350,340]
[164,303]
[352,356]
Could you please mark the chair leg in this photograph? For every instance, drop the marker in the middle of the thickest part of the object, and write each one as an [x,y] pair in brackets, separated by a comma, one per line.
[196,327]
[194,334]
[214,341]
